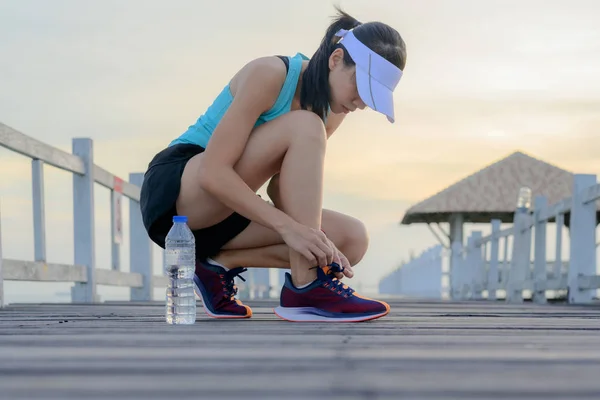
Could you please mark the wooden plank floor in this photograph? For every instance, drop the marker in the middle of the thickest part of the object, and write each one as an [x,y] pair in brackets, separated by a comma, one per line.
[422,350]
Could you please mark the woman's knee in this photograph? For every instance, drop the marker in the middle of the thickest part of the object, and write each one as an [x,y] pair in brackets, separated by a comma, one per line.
[308,125]
[357,241]
[348,233]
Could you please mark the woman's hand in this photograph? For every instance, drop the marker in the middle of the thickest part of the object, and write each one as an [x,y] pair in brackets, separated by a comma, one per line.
[342,261]
[309,242]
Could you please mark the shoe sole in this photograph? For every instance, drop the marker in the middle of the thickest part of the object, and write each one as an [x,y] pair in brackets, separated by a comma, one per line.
[219,316]
[311,314]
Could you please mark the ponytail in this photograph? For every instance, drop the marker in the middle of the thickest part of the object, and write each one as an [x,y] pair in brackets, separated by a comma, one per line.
[314,93]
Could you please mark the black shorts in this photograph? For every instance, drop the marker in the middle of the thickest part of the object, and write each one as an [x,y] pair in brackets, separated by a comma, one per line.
[160,189]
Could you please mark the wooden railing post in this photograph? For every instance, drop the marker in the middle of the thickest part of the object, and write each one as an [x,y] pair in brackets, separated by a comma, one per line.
[492,282]
[39,215]
[456,270]
[84,222]
[466,287]
[2,300]
[140,247]
[540,273]
[558,263]
[520,260]
[505,271]
[477,266]
[116,222]
[582,239]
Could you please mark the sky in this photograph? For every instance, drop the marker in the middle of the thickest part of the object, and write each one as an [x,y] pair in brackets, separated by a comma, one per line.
[483,79]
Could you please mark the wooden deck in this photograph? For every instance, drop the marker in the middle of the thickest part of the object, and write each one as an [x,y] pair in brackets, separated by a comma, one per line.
[422,350]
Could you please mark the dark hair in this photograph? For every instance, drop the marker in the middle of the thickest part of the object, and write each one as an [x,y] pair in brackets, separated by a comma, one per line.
[379,37]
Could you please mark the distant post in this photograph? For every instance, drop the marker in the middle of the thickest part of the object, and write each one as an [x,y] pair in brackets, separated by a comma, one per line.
[456,270]
[477,266]
[140,247]
[84,222]
[582,257]
[39,215]
[1,273]
[116,222]
[540,273]
[492,281]
[520,260]
[456,249]
[467,273]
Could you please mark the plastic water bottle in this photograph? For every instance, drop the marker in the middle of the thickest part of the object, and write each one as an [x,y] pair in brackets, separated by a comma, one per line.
[524,200]
[180,265]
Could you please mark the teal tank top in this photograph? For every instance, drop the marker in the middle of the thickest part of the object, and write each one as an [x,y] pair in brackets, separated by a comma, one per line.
[202,130]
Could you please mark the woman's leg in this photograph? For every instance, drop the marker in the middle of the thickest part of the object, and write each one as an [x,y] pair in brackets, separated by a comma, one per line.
[292,145]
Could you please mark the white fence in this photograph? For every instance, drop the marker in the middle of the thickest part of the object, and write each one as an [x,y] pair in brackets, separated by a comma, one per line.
[84,273]
[421,277]
[479,272]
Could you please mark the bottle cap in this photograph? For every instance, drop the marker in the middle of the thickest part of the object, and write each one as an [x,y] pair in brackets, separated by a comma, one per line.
[179,218]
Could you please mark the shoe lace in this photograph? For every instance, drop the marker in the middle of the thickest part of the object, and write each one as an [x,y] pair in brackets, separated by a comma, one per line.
[333,283]
[227,279]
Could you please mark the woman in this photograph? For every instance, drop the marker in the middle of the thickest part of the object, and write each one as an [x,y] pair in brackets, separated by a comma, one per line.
[271,124]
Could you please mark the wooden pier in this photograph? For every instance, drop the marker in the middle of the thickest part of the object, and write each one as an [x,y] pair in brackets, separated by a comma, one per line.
[422,350]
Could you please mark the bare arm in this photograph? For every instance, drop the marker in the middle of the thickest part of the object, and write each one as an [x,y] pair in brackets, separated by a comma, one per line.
[256,91]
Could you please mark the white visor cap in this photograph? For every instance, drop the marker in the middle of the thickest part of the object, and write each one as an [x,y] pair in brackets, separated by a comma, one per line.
[376,77]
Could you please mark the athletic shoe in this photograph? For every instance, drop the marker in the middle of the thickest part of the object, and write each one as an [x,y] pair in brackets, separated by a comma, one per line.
[327,299]
[215,286]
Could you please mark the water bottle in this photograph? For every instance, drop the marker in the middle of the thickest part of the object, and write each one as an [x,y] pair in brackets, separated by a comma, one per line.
[180,265]
[524,200]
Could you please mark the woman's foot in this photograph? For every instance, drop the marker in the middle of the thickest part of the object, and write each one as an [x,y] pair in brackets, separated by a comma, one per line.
[326,299]
[215,286]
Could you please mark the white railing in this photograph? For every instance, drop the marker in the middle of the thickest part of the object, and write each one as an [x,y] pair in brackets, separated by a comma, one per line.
[480,271]
[579,280]
[84,273]
[422,276]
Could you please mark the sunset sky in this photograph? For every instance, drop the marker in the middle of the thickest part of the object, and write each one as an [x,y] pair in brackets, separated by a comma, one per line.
[483,79]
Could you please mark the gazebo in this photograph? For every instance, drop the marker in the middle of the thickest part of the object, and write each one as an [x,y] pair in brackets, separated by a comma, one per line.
[491,193]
